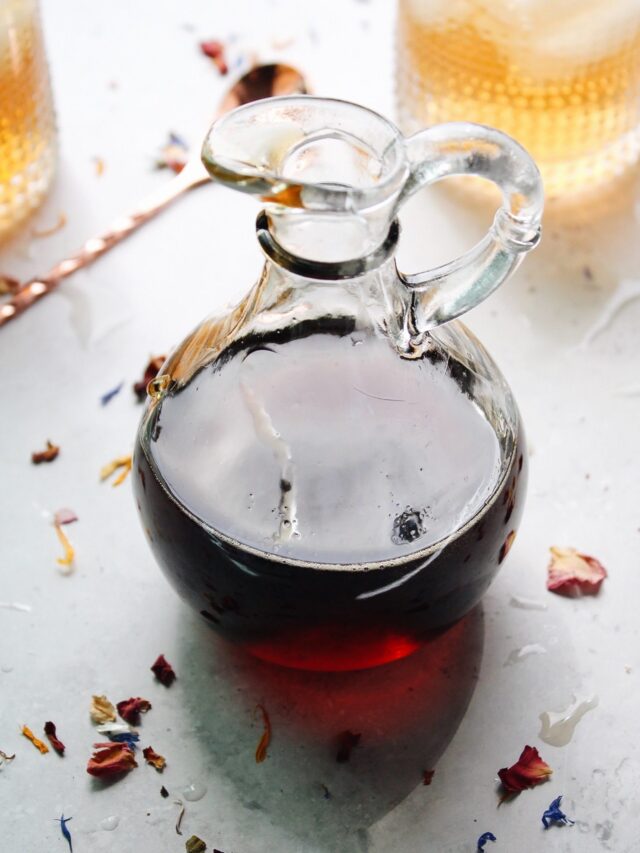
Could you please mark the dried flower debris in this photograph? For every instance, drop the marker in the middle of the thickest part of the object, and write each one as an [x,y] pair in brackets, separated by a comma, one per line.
[48,232]
[554,814]
[130,709]
[427,776]
[47,455]
[54,740]
[5,757]
[173,155]
[124,462]
[572,573]
[99,166]
[111,759]
[265,740]
[64,516]
[486,836]
[215,50]
[195,845]
[109,395]
[163,671]
[66,561]
[347,741]
[150,372]
[26,731]
[102,711]
[64,830]
[152,757]
[163,792]
[528,771]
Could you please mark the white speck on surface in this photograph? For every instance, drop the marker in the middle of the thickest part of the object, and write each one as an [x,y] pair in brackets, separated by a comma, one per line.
[518,655]
[523,603]
[557,727]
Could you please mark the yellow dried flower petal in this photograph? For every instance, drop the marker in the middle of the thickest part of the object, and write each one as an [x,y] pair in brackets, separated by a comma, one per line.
[26,731]
[69,553]
[102,711]
[123,462]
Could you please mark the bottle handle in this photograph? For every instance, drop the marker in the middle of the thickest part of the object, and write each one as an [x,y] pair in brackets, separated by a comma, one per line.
[461,148]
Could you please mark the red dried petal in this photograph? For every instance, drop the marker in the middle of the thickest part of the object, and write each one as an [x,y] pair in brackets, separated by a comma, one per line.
[163,671]
[152,757]
[572,573]
[214,49]
[130,709]
[529,770]
[47,455]
[109,759]
[427,776]
[150,372]
[54,740]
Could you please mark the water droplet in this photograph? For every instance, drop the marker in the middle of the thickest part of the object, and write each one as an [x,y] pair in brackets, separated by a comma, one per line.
[557,727]
[109,823]
[526,603]
[194,791]
[518,655]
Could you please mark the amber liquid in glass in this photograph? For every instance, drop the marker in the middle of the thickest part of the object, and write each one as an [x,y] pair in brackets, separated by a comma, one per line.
[325,503]
[27,127]
[560,76]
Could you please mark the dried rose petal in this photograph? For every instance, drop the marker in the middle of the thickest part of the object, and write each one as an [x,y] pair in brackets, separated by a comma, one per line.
[47,455]
[152,757]
[54,740]
[572,573]
[64,516]
[130,709]
[150,372]
[110,759]
[529,770]
[102,711]
[214,49]
[427,776]
[346,743]
[163,671]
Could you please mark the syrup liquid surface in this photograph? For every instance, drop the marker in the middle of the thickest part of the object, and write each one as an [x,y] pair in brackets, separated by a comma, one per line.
[327,449]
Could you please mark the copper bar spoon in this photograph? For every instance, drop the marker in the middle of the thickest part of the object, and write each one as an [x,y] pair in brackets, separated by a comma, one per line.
[263,81]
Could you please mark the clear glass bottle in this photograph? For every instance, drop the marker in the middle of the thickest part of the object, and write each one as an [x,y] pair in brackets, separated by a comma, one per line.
[333,471]
[27,123]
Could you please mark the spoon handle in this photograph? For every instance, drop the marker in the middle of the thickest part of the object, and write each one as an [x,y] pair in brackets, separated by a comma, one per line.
[30,292]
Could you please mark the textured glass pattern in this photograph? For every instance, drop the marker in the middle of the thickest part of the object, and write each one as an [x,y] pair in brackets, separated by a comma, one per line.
[561,76]
[27,125]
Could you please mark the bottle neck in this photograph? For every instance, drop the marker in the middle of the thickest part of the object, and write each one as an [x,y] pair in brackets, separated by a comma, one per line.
[321,259]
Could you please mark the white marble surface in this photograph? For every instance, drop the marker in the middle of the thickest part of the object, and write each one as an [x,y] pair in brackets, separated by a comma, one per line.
[124,74]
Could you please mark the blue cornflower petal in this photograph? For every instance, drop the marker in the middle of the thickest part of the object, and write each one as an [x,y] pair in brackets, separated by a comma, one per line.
[486,836]
[109,395]
[554,814]
[130,738]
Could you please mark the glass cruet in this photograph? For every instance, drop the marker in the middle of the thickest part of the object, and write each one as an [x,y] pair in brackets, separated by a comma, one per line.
[333,471]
